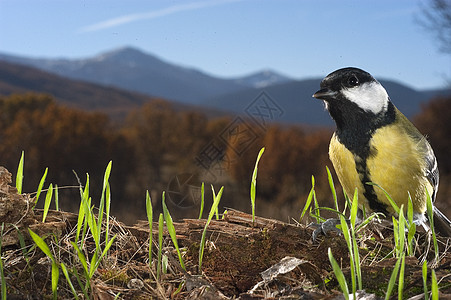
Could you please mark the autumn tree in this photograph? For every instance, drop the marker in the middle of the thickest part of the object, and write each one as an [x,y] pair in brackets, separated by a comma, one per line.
[60,138]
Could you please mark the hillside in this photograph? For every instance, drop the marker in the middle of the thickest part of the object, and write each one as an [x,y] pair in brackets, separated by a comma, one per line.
[19,79]
[297,105]
[16,78]
[131,69]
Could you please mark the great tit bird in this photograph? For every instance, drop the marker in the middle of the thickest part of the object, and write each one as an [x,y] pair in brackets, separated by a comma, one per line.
[374,142]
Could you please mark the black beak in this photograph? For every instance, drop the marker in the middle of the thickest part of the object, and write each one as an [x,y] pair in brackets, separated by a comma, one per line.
[324,94]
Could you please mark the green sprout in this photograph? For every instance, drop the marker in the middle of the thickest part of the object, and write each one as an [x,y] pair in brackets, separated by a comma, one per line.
[48,200]
[55,270]
[19,175]
[339,274]
[160,243]
[214,207]
[149,212]
[254,183]
[171,230]
[41,185]
[202,200]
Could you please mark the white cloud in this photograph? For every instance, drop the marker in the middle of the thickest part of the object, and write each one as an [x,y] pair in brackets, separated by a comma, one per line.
[122,20]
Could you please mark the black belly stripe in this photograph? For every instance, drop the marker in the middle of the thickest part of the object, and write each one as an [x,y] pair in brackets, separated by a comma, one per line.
[355,132]
[369,192]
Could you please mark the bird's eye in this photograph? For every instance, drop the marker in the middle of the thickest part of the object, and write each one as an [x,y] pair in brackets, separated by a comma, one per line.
[353,81]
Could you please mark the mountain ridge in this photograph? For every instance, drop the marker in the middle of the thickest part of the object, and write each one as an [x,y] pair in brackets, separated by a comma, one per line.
[129,71]
[132,69]
[117,103]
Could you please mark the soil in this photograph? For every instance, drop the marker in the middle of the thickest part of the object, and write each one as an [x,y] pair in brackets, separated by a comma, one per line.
[243,259]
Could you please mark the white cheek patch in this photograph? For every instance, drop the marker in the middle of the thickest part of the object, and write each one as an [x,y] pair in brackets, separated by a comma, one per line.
[370,96]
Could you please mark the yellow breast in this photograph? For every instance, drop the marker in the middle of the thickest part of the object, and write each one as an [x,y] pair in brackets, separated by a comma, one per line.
[396,165]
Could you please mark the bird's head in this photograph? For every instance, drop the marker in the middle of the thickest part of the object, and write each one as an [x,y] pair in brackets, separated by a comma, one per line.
[351,91]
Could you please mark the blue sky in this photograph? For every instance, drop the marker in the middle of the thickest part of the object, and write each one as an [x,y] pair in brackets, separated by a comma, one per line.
[299,38]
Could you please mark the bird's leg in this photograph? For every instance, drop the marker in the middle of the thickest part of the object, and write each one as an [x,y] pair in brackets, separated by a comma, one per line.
[325,227]
[331,225]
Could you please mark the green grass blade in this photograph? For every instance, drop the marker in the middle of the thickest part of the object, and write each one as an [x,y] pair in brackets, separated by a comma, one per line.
[332,188]
[108,246]
[387,195]
[19,174]
[107,212]
[339,274]
[81,221]
[368,220]
[317,208]
[356,260]
[41,244]
[106,177]
[81,217]
[93,225]
[396,235]
[92,264]
[353,220]
[55,278]
[41,185]
[23,247]
[96,260]
[309,199]
[412,228]
[150,220]
[202,200]
[409,210]
[71,286]
[401,277]
[160,243]
[164,264]
[430,213]
[354,208]
[400,233]
[217,213]
[82,258]
[434,286]
[171,230]
[424,273]
[347,236]
[48,200]
[254,183]
[214,207]
[216,210]
[392,281]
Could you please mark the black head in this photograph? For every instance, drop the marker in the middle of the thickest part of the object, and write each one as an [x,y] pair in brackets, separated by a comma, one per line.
[352,89]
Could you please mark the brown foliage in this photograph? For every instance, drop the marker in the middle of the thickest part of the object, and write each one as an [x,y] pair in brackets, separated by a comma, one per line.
[52,136]
[159,147]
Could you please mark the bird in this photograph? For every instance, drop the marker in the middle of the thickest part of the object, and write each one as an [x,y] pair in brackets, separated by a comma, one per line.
[375,143]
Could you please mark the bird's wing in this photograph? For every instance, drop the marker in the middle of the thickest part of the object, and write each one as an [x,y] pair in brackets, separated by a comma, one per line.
[432,169]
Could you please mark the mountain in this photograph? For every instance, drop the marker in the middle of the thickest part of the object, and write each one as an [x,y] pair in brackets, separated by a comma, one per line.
[262,79]
[16,78]
[133,70]
[130,73]
[292,101]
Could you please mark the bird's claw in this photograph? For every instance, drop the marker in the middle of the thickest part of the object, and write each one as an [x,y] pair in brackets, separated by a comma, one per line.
[325,227]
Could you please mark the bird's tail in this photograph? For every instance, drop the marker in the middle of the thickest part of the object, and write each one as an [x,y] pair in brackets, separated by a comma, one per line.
[442,224]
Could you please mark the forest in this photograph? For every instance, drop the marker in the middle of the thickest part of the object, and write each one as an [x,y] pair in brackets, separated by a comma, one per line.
[160,148]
